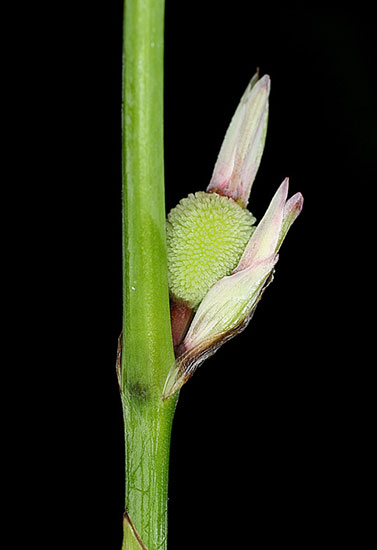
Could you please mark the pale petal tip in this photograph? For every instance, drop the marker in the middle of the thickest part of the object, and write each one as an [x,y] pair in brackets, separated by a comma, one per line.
[256,84]
[295,204]
[265,81]
[283,189]
[299,199]
[285,182]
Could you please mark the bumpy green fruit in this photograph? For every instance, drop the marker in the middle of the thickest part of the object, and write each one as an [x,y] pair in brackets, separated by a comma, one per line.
[206,236]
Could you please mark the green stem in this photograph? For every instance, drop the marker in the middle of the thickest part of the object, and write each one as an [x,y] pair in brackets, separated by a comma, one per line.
[147,353]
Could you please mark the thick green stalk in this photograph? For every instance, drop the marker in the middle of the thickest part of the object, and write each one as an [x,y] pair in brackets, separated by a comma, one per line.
[147,353]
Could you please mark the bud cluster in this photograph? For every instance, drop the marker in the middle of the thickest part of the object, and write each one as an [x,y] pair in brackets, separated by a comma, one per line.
[219,263]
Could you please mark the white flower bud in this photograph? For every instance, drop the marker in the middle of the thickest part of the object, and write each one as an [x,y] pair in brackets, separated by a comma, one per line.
[243,145]
[229,304]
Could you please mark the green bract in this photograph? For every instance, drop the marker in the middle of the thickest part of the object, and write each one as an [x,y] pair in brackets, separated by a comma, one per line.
[206,236]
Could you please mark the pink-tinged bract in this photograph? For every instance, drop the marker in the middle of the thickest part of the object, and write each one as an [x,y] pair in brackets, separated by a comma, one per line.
[243,145]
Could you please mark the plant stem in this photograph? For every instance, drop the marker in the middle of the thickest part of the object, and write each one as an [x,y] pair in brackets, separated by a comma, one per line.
[147,353]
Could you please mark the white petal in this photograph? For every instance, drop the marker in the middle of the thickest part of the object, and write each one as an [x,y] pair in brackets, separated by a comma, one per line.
[242,148]
[264,240]
[292,209]
[228,302]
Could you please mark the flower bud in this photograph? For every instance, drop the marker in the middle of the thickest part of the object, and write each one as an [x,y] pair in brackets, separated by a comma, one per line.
[243,145]
[230,303]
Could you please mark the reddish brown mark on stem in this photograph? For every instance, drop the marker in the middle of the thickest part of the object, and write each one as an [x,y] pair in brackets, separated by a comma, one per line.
[180,315]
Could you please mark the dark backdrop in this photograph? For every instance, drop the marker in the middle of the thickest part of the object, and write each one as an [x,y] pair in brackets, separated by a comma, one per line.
[265,433]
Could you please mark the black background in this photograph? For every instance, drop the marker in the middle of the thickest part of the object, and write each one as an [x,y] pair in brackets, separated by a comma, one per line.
[267,432]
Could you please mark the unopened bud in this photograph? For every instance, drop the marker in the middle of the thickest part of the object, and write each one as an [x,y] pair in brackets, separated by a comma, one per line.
[243,145]
[229,304]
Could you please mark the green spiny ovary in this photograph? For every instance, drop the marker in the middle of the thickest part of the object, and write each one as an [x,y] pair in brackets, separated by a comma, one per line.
[206,236]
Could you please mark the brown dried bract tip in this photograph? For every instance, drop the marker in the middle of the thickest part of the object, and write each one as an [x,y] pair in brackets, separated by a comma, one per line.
[130,531]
